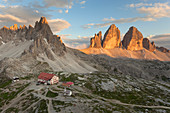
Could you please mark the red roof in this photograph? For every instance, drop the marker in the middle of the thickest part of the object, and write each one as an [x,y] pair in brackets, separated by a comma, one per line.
[68,84]
[45,76]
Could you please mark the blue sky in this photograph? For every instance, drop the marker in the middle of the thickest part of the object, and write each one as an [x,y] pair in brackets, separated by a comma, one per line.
[78,20]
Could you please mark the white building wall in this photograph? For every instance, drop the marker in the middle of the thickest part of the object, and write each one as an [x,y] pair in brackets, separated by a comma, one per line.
[54,80]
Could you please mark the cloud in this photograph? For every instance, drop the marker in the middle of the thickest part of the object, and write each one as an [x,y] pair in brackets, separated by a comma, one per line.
[158,10]
[66,11]
[58,3]
[2,6]
[161,40]
[81,42]
[19,15]
[58,25]
[25,15]
[87,26]
[139,5]
[151,13]
[82,2]
[36,11]
[60,11]
[4,0]
[110,21]
[8,17]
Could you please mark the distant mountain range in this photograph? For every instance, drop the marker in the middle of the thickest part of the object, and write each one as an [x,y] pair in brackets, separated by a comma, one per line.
[106,79]
[133,45]
[26,50]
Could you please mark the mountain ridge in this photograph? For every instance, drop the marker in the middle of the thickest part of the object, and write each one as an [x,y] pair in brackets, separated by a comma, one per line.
[133,45]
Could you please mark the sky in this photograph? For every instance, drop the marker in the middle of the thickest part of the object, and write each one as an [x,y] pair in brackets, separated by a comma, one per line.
[76,21]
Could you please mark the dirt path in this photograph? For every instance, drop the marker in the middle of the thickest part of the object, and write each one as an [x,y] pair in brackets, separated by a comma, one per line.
[125,104]
[132,105]
[141,106]
[16,99]
[50,107]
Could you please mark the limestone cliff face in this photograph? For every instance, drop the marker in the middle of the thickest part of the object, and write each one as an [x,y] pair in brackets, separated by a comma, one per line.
[148,45]
[43,28]
[95,42]
[133,39]
[44,40]
[111,38]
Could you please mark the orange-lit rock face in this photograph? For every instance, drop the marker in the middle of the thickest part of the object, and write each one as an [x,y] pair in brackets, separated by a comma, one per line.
[14,27]
[148,45]
[5,28]
[133,39]
[111,38]
[95,42]
[43,20]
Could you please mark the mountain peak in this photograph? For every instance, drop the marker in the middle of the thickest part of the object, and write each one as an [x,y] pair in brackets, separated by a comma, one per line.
[14,27]
[43,20]
[133,39]
[111,38]
[113,26]
[95,42]
[5,28]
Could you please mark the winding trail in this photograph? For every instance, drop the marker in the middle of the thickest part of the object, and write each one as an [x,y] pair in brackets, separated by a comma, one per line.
[50,106]
[16,99]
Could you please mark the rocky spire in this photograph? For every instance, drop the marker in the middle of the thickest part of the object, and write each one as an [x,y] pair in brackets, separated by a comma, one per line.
[148,45]
[111,38]
[20,27]
[95,42]
[43,20]
[133,39]
[44,40]
[43,28]
[14,27]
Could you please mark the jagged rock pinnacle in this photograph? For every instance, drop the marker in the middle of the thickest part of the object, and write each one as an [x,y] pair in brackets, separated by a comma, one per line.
[133,39]
[14,27]
[43,20]
[148,45]
[111,38]
[95,42]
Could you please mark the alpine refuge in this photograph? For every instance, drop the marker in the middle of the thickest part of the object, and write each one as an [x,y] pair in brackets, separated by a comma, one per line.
[47,78]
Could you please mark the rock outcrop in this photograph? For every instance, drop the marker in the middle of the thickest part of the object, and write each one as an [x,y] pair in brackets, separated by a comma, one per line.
[163,49]
[44,40]
[43,28]
[111,38]
[14,27]
[148,45]
[95,42]
[133,39]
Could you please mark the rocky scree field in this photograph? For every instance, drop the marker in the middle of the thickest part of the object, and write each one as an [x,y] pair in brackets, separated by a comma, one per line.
[92,92]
